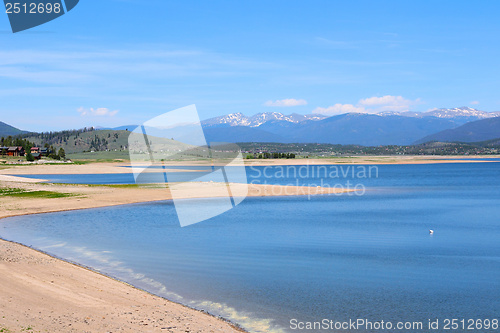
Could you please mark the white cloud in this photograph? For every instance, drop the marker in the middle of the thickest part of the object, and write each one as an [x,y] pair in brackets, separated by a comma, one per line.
[339,109]
[286,102]
[474,103]
[97,112]
[388,103]
[371,105]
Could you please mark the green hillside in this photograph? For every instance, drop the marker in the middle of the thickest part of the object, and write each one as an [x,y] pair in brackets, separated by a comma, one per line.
[6,130]
[110,144]
[83,140]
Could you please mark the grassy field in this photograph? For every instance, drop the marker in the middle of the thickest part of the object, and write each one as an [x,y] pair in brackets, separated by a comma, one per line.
[10,159]
[21,193]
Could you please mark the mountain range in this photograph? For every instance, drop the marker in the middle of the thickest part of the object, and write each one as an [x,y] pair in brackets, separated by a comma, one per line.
[385,128]
[239,119]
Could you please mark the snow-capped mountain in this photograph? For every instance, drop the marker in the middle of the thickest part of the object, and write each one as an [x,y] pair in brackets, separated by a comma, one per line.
[232,119]
[403,114]
[239,119]
[462,112]
[462,115]
[400,128]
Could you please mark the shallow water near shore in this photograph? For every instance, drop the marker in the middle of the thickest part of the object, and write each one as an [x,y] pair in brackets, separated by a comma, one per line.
[273,259]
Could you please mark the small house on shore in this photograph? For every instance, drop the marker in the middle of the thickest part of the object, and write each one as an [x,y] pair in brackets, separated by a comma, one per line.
[35,150]
[36,156]
[15,151]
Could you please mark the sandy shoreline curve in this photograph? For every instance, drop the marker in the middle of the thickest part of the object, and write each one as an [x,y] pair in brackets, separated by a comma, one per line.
[40,293]
[96,196]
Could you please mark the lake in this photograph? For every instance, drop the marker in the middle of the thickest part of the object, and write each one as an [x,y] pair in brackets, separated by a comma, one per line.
[273,260]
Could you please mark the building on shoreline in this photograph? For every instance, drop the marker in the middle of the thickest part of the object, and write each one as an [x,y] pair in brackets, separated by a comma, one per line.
[12,151]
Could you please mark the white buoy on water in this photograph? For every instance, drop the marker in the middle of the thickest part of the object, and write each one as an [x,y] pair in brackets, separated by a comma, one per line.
[431,231]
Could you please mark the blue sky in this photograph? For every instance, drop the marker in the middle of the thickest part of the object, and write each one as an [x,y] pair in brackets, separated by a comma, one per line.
[117,62]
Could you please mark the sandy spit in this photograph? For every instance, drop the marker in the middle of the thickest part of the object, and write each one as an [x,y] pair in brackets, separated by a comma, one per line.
[39,293]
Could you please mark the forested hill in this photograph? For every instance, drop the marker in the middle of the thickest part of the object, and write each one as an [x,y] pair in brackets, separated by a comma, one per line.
[83,140]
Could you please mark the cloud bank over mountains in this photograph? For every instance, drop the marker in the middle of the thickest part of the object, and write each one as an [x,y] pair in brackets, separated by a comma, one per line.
[371,105]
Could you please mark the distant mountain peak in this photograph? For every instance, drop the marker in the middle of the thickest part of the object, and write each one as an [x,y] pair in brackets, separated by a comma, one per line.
[459,109]
[449,113]
[239,119]
[463,111]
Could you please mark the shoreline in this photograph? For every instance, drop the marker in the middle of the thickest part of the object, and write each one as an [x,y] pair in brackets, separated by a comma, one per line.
[234,326]
[81,196]
[124,166]
[124,288]
[33,282]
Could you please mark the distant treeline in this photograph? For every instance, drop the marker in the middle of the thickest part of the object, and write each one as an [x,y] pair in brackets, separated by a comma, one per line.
[16,141]
[58,137]
[270,155]
[317,149]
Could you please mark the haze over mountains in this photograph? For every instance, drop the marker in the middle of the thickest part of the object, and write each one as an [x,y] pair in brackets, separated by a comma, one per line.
[386,128]
[476,131]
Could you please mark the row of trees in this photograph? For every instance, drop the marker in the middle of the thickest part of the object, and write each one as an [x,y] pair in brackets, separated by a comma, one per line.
[271,155]
[16,142]
[57,137]
[61,154]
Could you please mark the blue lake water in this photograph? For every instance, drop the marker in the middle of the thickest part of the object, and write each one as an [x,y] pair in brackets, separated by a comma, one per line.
[270,260]
[422,175]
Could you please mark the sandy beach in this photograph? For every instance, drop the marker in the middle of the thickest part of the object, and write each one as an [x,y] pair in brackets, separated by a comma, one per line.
[84,196]
[43,294]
